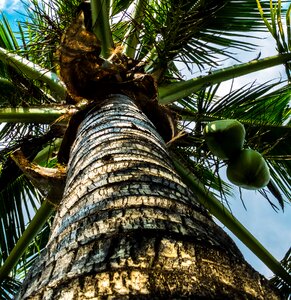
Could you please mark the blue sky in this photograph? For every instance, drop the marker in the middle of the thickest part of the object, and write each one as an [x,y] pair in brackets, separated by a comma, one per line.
[272,229]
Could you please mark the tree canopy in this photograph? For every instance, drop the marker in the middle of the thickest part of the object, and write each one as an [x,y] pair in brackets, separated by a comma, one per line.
[164,37]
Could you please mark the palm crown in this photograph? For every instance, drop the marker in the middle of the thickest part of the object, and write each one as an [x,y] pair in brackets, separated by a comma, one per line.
[158,36]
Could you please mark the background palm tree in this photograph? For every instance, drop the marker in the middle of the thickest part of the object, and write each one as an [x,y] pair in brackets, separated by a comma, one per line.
[160,33]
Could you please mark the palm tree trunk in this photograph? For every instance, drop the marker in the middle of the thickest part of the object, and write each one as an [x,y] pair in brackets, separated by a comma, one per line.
[128,228]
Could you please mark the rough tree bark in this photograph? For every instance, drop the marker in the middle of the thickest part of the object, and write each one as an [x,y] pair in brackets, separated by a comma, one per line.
[128,228]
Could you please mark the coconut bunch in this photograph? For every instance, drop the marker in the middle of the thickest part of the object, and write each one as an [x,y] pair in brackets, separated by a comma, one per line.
[246,167]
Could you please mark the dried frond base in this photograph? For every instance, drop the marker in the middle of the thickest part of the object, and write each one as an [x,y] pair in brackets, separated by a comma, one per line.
[88,76]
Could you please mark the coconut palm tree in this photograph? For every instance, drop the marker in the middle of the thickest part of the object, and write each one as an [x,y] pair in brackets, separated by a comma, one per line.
[118,152]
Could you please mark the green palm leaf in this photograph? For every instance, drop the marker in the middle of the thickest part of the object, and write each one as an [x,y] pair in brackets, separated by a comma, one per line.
[196,32]
[16,212]
[9,288]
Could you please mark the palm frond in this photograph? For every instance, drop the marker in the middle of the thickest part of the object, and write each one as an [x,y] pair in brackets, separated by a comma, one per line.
[19,258]
[13,135]
[252,102]
[22,195]
[7,37]
[33,251]
[46,22]
[16,70]
[131,37]
[101,25]
[21,90]
[9,288]
[119,6]
[24,69]
[16,212]
[204,169]
[284,287]
[10,285]
[275,26]
[22,249]
[171,92]
[196,32]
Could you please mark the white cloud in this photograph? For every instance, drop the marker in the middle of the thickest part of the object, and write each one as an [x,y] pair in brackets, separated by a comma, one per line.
[9,5]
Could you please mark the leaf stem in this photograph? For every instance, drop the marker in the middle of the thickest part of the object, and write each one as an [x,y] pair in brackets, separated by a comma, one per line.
[34,71]
[132,35]
[174,91]
[30,232]
[44,115]
[101,25]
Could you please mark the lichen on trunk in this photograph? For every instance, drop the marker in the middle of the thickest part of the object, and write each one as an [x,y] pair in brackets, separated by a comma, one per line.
[128,227]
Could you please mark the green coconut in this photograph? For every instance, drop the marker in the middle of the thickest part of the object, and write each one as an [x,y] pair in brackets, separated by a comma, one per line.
[248,170]
[225,138]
